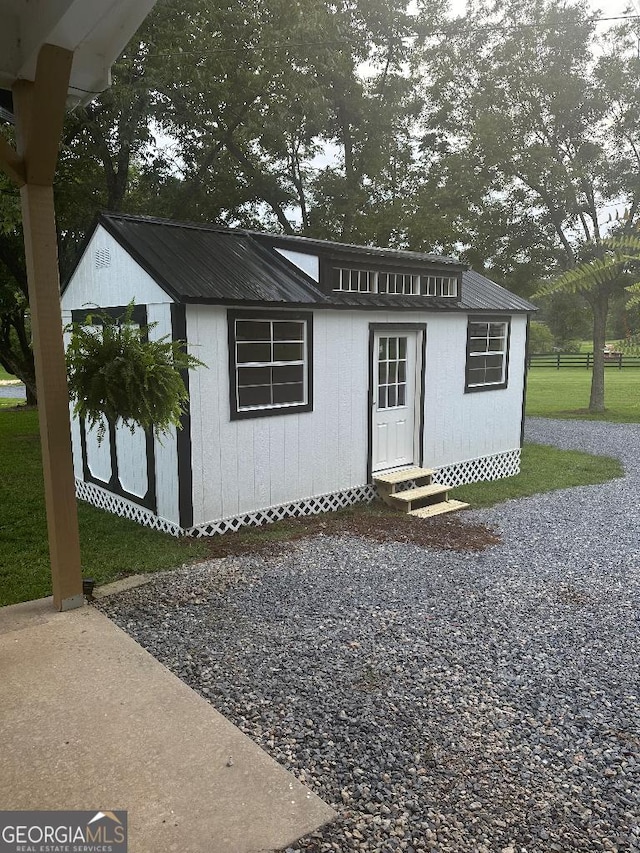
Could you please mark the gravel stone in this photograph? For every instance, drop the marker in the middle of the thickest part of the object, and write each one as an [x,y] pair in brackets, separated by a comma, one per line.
[469,702]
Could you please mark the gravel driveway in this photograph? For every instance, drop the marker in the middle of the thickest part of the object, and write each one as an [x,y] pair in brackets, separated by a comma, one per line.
[441,701]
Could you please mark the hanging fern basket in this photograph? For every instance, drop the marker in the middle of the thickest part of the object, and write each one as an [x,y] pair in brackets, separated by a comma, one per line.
[116,373]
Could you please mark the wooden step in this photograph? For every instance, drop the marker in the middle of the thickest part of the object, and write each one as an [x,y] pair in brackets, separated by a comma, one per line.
[439,508]
[387,484]
[404,475]
[421,492]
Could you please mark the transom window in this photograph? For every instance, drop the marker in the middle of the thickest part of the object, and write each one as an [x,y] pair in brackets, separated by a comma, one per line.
[440,285]
[407,284]
[270,364]
[393,282]
[487,354]
[356,281]
[392,372]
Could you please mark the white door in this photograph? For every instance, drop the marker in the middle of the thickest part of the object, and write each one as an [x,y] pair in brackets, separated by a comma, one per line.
[394,399]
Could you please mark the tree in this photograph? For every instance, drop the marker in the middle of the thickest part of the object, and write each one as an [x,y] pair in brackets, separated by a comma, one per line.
[568,318]
[16,356]
[496,136]
[549,132]
[607,272]
[275,84]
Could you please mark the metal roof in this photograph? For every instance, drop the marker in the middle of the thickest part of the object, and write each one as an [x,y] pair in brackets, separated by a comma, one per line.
[294,242]
[479,293]
[396,300]
[206,263]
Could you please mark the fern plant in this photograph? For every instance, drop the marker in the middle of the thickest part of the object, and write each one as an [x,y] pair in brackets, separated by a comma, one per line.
[116,372]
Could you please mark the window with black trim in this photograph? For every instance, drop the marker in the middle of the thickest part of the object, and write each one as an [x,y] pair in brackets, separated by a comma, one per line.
[487,354]
[270,363]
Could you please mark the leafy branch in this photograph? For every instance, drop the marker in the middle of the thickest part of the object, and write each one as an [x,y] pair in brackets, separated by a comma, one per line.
[619,256]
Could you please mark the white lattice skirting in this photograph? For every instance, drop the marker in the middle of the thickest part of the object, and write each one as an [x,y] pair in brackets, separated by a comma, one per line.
[121,506]
[308,506]
[485,468]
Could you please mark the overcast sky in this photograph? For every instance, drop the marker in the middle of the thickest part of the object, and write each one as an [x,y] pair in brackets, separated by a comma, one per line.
[606,7]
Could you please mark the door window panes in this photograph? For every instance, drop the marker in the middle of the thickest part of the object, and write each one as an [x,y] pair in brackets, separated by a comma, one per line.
[392,372]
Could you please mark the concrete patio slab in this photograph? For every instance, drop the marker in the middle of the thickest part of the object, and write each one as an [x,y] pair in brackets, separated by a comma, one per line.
[89,720]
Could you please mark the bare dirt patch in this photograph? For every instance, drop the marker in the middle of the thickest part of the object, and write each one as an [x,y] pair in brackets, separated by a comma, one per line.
[377,522]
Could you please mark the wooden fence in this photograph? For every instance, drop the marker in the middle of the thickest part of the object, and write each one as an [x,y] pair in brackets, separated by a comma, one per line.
[581,359]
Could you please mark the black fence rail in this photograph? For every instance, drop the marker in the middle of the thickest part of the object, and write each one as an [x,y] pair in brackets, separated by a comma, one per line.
[581,359]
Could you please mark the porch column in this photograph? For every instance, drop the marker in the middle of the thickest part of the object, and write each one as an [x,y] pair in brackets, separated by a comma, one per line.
[39,112]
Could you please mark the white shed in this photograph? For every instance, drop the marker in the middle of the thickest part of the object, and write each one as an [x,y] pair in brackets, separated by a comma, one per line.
[327,365]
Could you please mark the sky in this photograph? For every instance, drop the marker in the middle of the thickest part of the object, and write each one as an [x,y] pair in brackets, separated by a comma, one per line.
[606,7]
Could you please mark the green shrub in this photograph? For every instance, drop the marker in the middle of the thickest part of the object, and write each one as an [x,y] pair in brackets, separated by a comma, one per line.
[571,346]
[540,337]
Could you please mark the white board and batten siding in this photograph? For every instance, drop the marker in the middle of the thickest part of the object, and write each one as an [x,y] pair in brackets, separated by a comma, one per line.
[240,466]
[460,426]
[108,277]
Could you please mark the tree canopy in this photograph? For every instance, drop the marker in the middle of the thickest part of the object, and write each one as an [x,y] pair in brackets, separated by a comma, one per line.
[506,136]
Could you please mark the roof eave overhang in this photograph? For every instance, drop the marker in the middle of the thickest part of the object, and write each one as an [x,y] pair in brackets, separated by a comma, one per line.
[96,33]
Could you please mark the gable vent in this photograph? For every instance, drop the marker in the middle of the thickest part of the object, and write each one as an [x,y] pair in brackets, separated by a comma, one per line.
[102,258]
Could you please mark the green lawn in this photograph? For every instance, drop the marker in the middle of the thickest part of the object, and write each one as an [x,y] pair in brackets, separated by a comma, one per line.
[111,546]
[543,469]
[5,375]
[114,547]
[564,393]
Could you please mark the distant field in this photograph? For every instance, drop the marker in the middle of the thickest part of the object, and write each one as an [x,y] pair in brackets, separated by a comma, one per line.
[565,394]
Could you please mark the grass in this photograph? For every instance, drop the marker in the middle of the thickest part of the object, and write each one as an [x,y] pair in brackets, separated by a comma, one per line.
[543,469]
[4,375]
[564,393]
[113,547]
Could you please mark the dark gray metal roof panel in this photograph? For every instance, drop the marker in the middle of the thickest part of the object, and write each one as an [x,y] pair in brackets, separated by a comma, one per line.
[202,264]
[479,293]
[385,300]
[295,243]
[206,263]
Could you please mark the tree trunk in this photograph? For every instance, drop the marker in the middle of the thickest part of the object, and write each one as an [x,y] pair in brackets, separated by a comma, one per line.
[600,307]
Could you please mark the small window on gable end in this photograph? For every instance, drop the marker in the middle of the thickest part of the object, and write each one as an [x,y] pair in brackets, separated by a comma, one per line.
[270,363]
[487,353]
